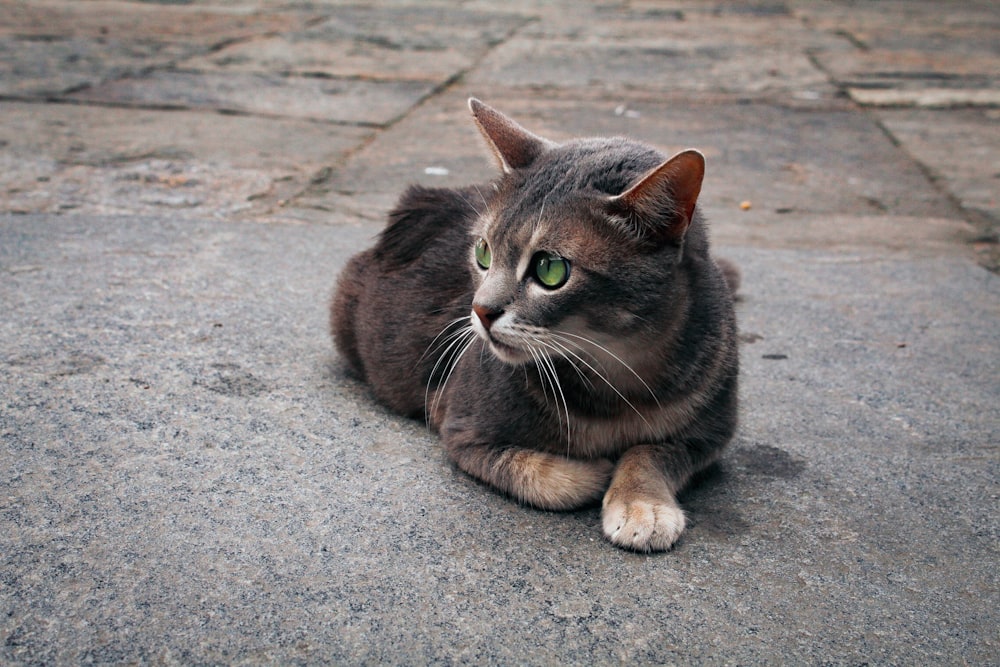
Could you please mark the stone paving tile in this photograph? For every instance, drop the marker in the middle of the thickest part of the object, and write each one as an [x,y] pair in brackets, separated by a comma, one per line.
[883,67]
[960,148]
[333,100]
[909,54]
[51,48]
[916,78]
[421,43]
[191,478]
[966,27]
[93,159]
[297,54]
[666,47]
[39,67]
[684,24]
[530,63]
[159,21]
[786,162]
[436,145]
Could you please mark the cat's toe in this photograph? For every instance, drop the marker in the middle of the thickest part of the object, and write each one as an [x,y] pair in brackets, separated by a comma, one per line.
[643,525]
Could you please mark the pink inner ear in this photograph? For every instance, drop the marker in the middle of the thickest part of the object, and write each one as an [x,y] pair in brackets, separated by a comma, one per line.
[673,186]
[687,176]
[513,145]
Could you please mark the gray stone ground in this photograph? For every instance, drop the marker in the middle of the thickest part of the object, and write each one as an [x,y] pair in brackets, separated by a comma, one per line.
[189,478]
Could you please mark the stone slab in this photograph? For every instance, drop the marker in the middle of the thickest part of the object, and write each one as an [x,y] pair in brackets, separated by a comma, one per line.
[99,160]
[298,55]
[49,48]
[787,162]
[926,97]
[907,25]
[915,69]
[961,149]
[426,43]
[192,479]
[761,26]
[666,67]
[165,22]
[333,100]
[39,68]
[911,53]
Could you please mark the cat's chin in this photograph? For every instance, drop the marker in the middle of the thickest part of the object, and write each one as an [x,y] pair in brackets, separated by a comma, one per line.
[507,354]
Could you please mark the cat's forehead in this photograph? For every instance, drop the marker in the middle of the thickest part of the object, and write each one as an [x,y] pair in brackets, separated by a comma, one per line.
[605,165]
[581,170]
[558,203]
[568,228]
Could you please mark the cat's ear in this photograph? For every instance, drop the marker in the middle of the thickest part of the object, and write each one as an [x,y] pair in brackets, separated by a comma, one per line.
[662,202]
[514,146]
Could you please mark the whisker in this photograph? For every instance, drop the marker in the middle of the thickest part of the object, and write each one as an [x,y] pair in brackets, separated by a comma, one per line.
[453,363]
[565,350]
[534,356]
[459,343]
[452,342]
[486,204]
[565,353]
[555,373]
[456,340]
[564,334]
[443,331]
[541,210]
[558,386]
[456,307]
[469,203]
[548,375]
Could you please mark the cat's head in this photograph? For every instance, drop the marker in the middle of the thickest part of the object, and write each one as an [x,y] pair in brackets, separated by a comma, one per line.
[576,254]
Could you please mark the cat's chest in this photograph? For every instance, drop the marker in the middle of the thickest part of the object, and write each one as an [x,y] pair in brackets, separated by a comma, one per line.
[594,436]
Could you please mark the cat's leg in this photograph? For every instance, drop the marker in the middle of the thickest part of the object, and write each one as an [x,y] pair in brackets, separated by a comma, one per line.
[543,480]
[640,509]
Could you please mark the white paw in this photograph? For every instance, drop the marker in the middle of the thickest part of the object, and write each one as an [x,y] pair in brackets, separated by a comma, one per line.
[642,524]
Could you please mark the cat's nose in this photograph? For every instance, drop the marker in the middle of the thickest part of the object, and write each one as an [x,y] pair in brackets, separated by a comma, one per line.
[486,315]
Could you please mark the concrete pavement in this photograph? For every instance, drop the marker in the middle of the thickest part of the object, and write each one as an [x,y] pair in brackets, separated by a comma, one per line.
[190,478]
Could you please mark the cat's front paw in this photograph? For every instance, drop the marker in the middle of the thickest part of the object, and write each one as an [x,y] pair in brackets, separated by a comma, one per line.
[642,523]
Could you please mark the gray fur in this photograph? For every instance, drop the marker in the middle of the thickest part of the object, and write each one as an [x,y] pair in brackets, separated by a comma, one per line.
[530,405]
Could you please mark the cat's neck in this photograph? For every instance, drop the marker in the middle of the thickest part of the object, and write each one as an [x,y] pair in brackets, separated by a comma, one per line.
[595,389]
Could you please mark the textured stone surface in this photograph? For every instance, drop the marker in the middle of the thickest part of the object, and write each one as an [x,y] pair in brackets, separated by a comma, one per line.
[50,48]
[334,100]
[910,53]
[961,150]
[666,67]
[415,42]
[42,67]
[190,478]
[787,162]
[91,159]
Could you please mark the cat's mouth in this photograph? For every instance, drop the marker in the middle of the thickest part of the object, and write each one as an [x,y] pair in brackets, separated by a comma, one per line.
[506,353]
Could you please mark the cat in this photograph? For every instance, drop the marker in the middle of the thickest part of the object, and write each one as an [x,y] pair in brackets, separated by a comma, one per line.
[564,329]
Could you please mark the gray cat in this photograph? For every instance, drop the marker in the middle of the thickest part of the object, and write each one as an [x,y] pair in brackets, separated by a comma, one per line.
[563,329]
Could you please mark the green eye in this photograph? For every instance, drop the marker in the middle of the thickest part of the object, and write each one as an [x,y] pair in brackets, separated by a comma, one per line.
[552,271]
[483,256]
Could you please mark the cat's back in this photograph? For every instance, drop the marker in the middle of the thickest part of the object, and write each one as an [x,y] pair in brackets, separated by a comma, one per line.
[427,225]
[392,300]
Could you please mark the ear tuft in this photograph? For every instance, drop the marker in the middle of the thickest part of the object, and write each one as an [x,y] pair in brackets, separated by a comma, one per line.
[663,201]
[513,146]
